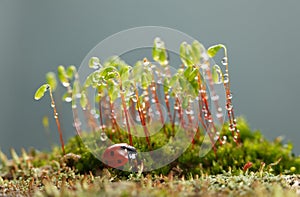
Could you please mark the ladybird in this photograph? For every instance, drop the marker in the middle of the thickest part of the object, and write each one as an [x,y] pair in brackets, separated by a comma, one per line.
[118,155]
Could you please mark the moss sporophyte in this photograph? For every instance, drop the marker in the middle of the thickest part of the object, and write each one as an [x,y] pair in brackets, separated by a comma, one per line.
[151,106]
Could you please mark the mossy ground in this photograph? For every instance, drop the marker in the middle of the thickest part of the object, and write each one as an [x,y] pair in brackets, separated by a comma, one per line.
[78,173]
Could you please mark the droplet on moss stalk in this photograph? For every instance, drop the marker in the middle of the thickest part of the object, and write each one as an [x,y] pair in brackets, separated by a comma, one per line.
[224,61]
[103,137]
[94,62]
[225,78]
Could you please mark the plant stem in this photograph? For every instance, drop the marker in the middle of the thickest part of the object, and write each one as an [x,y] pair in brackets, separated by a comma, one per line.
[126,115]
[147,134]
[57,121]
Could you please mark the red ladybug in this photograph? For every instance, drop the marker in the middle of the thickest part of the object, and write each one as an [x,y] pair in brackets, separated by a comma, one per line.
[118,155]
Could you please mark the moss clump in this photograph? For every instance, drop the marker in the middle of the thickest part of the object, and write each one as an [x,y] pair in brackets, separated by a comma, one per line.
[274,157]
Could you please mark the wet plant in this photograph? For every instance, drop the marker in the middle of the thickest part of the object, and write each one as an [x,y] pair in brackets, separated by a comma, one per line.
[49,87]
[131,104]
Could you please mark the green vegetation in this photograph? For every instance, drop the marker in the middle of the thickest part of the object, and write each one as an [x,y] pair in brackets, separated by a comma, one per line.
[79,173]
[179,104]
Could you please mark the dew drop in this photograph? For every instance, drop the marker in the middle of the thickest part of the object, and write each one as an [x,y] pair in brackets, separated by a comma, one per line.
[231,127]
[224,61]
[216,138]
[94,62]
[52,105]
[229,96]
[147,98]
[189,112]
[134,99]
[68,99]
[225,78]
[229,106]
[103,137]
[66,84]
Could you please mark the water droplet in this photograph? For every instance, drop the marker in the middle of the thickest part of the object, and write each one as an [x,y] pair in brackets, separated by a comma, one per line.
[52,105]
[229,96]
[216,138]
[68,99]
[225,78]
[231,127]
[94,62]
[229,106]
[56,115]
[189,112]
[134,99]
[66,84]
[103,137]
[220,109]
[224,61]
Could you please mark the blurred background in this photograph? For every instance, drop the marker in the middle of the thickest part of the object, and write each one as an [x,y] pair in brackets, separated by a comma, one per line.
[36,36]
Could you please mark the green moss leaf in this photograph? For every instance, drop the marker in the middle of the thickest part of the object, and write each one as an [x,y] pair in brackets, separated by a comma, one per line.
[217,74]
[62,76]
[94,62]
[71,71]
[83,100]
[186,54]
[197,50]
[41,91]
[159,52]
[51,80]
[213,50]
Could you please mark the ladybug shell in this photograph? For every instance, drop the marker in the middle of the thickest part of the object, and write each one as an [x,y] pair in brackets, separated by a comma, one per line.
[115,156]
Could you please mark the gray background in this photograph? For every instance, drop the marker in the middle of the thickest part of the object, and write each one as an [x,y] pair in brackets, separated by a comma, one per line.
[262,38]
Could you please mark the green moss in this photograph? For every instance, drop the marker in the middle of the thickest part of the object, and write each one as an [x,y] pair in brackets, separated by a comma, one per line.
[274,156]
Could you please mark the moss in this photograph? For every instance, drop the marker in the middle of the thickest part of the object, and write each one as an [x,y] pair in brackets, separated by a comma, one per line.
[274,156]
